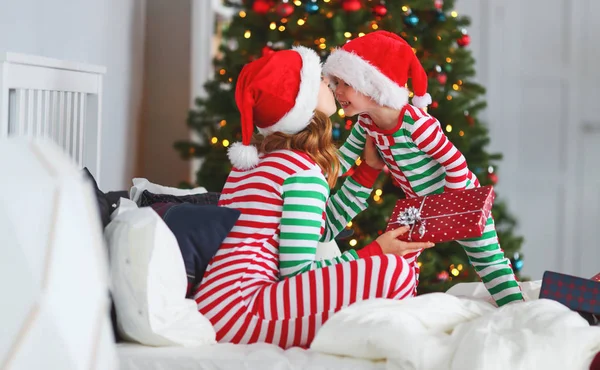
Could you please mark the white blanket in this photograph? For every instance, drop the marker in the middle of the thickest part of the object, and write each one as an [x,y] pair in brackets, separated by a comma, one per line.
[444,331]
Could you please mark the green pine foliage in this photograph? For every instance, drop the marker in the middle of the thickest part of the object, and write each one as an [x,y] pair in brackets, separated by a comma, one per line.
[439,38]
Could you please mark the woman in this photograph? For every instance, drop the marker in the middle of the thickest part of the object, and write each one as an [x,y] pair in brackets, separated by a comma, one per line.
[264,284]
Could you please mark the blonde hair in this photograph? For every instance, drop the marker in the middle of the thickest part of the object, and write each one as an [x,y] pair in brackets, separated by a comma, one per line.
[315,140]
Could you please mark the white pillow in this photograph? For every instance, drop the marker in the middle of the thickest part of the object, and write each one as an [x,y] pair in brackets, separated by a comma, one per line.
[140,184]
[53,263]
[149,282]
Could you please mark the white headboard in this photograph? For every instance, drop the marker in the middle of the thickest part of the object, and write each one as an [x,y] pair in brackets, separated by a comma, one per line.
[53,98]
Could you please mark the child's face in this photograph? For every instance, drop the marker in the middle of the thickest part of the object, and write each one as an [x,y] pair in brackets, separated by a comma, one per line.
[351,100]
[325,100]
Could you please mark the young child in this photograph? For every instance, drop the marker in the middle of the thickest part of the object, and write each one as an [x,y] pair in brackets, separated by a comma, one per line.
[369,76]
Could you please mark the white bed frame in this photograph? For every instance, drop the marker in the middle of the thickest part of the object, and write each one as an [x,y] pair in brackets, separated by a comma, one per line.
[51,98]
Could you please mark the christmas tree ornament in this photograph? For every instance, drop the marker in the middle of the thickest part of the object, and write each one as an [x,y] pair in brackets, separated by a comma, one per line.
[440,16]
[493,178]
[438,4]
[335,132]
[434,105]
[261,6]
[448,67]
[464,40]
[351,5]
[285,9]
[411,20]
[442,78]
[380,10]
[438,68]
[312,7]
[517,262]
[443,275]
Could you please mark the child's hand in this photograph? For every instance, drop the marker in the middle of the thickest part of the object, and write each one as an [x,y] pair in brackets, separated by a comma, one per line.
[390,244]
[371,155]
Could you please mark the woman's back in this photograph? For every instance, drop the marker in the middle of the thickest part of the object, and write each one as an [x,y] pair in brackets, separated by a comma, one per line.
[258,194]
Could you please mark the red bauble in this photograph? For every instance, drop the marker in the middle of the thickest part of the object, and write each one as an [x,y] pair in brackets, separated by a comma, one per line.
[464,40]
[351,5]
[493,178]
[442,78]
[285,9]
[380,10]
[435,104]
[470,120]
[261,6]
[267,51]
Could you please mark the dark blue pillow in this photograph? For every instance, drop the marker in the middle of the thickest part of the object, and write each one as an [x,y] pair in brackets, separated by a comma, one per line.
[200,230]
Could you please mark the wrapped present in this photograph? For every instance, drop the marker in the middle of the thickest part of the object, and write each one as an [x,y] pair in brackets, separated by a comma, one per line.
[577,293]
[444,217]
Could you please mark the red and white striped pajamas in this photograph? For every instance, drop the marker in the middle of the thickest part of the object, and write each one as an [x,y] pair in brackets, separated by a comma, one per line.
[264,284]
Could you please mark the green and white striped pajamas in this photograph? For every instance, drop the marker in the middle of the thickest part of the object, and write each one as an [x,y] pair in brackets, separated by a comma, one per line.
[422,162]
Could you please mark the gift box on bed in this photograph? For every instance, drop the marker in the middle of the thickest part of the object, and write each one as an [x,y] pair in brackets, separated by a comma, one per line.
[444,217]
[577,293]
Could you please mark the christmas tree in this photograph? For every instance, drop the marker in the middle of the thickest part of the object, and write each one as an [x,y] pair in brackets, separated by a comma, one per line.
[439,38]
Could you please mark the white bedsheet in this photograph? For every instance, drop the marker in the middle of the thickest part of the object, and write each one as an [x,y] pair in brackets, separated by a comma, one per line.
[258,356]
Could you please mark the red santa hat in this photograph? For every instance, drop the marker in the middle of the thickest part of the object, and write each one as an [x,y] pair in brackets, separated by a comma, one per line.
[378,65]
[275,93]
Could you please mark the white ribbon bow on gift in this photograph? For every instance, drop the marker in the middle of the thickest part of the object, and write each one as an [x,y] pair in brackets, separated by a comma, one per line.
[411,217]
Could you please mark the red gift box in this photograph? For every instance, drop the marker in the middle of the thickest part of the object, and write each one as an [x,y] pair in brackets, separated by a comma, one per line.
[444,217]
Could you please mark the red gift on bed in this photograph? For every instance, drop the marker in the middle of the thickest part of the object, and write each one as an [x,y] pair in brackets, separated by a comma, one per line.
[444,217]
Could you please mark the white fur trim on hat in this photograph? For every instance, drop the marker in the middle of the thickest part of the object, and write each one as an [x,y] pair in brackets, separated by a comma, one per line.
[421,101]
[301,114]
[243,157]
[365,78]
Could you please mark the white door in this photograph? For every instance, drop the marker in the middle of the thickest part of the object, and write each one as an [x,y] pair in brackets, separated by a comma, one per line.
[537,60]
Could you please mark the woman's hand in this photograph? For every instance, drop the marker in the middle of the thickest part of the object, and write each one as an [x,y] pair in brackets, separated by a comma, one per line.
[371,155]
[390,244]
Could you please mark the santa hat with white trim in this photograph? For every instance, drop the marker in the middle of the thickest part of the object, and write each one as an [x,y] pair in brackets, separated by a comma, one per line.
[275,93]
[378,65]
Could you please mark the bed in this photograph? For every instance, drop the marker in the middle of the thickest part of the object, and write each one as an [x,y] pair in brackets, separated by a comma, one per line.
[41,97]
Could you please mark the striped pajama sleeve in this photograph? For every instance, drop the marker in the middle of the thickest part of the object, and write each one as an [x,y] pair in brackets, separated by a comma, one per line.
[304,201]
[427,134]
[352,148]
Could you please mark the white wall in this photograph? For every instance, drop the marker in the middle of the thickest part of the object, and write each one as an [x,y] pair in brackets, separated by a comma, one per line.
[540,71]
[105,32]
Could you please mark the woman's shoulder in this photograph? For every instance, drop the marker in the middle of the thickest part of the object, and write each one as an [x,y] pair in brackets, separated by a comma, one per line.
[294,160]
